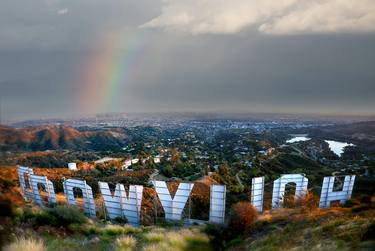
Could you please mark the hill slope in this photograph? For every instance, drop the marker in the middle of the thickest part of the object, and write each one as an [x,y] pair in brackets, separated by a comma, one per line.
[331,229]
[360,133]
[54,137]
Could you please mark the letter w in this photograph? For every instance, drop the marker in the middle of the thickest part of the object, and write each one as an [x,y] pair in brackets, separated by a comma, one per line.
[121,204]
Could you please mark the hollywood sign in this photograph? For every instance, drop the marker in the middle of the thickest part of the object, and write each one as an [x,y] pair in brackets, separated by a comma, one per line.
[128,204]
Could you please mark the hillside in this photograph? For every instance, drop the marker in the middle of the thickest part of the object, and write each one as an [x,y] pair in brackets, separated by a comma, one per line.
[66,228]
[360,133]
[53,137]
[291,229]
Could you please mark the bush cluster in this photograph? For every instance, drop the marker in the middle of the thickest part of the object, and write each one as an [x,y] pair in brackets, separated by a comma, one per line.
[242,216]
[59,215]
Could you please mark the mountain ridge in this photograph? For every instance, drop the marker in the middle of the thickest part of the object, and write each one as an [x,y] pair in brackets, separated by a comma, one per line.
[57,137]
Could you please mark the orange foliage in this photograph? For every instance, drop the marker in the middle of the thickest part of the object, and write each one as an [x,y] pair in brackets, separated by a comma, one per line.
[242,216]
[308,203]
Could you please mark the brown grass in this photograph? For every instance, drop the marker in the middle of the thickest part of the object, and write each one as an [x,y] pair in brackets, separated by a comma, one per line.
[23,244]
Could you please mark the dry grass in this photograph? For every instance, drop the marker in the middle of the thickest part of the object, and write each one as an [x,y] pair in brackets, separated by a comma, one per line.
[125,243]
[159,247]
[177,239]
[154,237]
[23,244]
[318,229]
[113,230]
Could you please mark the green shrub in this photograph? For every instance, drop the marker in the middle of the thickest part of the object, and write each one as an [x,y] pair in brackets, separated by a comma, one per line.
[234,242]
[364,198]
[113,230]
[370,232]
[45,218]
[162,222]
[18,212]
[6,208]
[360,208]
[90,230]
[66,215]
[33,215]
[59,215]
[350,203]
[218,234]
[120,220]
[6,184]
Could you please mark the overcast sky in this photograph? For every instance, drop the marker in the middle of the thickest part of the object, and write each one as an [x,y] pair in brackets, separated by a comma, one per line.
[305,56]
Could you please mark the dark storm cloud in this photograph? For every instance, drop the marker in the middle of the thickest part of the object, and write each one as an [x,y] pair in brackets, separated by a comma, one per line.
[294,72]
[37,82]
[43,45]
[69,24]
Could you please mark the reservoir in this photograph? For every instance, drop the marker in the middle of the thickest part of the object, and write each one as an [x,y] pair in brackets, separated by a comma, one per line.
[298,137]
[337,147]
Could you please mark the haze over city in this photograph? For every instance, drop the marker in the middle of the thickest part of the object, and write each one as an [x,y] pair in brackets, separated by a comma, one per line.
[72,58]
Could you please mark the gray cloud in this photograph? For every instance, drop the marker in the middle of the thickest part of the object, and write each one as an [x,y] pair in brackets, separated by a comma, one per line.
[231,67]
[321,73]
[268,16]
[69,24]
[62,11]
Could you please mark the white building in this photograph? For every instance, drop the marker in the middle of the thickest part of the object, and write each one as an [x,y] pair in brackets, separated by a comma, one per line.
[72,166]
[135,161]
[157,159]
[105,159]
[127,164]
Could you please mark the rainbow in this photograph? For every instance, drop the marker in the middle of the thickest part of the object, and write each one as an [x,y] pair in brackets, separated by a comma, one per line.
[107,71]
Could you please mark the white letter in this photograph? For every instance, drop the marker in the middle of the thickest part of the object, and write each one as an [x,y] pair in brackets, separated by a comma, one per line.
[217,204]
[173,207]
[122,205]
[88,199]
[48,185]
[327,195]
[22,170]
[279,187]
[257,191]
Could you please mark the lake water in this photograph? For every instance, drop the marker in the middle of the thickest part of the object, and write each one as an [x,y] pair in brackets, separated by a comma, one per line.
[337,147]
[298,138]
